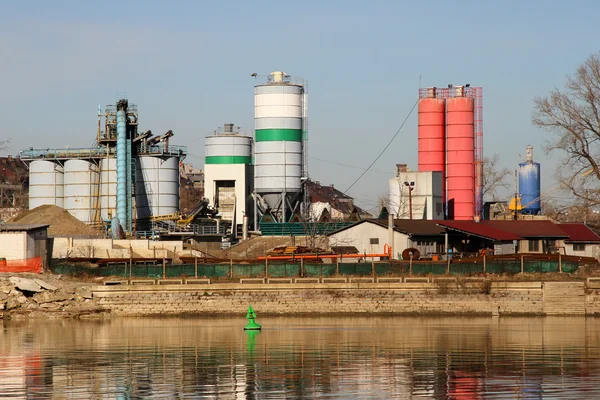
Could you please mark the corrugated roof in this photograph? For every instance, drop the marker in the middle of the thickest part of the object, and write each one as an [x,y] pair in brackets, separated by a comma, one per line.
[480,229]
[409,227]
[528,229]
[416,227]
[21,227]
[579,233]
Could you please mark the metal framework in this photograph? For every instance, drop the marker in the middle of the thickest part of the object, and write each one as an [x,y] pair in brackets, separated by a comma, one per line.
[476,93]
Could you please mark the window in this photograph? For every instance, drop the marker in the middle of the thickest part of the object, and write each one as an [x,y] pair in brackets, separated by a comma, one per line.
[534,246]
[578,247]
[374,241]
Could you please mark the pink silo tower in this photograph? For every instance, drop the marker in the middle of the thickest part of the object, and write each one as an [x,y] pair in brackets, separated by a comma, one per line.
[432,142]
[455,148]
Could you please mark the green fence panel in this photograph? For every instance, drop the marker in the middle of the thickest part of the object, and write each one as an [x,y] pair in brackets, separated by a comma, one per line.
[360,269]
[382,269]
[429,268]
[466,269]
[248,270]
[319,269]
[504,267]
[569,266]
[284,270]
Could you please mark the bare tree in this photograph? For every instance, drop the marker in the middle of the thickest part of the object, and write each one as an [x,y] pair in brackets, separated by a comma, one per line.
[494,177]
[573,116]
[4,144]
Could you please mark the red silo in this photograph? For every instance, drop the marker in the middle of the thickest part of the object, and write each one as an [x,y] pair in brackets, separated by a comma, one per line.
[460,168]
[431,130]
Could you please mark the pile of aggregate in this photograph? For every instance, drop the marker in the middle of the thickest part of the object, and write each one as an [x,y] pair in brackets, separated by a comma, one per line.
[62,224]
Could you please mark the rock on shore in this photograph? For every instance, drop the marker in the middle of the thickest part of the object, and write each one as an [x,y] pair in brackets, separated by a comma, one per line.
[46,296]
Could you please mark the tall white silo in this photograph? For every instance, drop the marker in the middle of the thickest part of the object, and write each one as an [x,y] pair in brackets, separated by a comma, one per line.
[46,184]
[157,186]
[228,173]
[278,109]
[82,184]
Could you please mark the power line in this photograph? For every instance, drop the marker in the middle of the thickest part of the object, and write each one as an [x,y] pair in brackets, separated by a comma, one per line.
[348,166]
[385,148]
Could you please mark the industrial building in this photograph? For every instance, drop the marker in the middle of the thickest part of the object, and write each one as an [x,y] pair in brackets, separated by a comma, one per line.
[416,195]
[23,247]
[229,173]
[125,182]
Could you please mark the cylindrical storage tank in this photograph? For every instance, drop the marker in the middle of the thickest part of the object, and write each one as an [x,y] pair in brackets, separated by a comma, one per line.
[460,158]
[278,139]
[108,188]
[82,184]
[157,186]
[228,149]
[432,137]
[46,184]
[529,184]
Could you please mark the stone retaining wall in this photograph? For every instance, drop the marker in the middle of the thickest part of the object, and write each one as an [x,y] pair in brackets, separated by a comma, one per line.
[502,298]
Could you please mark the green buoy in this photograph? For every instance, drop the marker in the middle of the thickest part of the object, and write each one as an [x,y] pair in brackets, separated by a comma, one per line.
[251,316]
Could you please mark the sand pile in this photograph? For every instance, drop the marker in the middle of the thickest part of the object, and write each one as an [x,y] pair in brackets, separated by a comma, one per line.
[62,224]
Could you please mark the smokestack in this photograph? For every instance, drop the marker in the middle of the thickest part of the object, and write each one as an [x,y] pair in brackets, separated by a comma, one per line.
[400,168]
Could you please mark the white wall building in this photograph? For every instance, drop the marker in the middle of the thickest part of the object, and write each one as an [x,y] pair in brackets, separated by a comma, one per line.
[23,246]
[371,236]
[422,189]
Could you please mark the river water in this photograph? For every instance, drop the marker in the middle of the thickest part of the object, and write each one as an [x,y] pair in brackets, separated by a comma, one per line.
[343,357]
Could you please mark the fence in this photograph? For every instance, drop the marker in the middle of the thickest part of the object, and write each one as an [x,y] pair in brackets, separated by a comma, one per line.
[298,268]
[33,265]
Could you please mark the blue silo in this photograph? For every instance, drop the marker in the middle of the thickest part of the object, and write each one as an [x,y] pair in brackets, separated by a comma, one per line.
[529,184]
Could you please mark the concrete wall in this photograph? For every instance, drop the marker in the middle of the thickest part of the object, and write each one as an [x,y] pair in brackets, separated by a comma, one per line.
[109,248]
[13,245]
[503,298]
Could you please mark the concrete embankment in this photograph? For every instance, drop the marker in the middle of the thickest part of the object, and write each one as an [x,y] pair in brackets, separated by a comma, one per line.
[476,298]
[200,297]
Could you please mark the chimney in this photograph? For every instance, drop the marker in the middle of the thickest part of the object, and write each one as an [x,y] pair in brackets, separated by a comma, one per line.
[400,168]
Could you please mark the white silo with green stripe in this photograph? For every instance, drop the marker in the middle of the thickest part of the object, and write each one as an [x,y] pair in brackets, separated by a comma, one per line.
[228,173]
[279,109]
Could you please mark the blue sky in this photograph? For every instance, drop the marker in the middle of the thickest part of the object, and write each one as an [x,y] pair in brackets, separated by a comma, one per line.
[187,65]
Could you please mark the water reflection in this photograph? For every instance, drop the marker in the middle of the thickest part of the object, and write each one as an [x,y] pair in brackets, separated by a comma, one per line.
[459,358]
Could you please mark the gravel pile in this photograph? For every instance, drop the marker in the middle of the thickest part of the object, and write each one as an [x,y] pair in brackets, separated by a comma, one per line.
[62,224]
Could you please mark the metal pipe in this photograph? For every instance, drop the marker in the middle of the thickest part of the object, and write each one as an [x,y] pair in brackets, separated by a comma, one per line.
[122,161]
[391,232]
[245,228]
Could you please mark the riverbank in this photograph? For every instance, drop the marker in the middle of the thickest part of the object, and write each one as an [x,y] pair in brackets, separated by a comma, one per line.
[63,297]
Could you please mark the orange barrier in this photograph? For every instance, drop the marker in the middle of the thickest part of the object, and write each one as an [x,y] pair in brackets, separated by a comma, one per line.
[15,266]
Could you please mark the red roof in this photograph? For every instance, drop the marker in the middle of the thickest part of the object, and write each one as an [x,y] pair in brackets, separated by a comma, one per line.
[529,229]
[580,233]
[480,229]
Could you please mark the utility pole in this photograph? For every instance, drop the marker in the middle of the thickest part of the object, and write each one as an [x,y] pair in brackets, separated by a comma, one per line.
[587,205]
[410,186]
